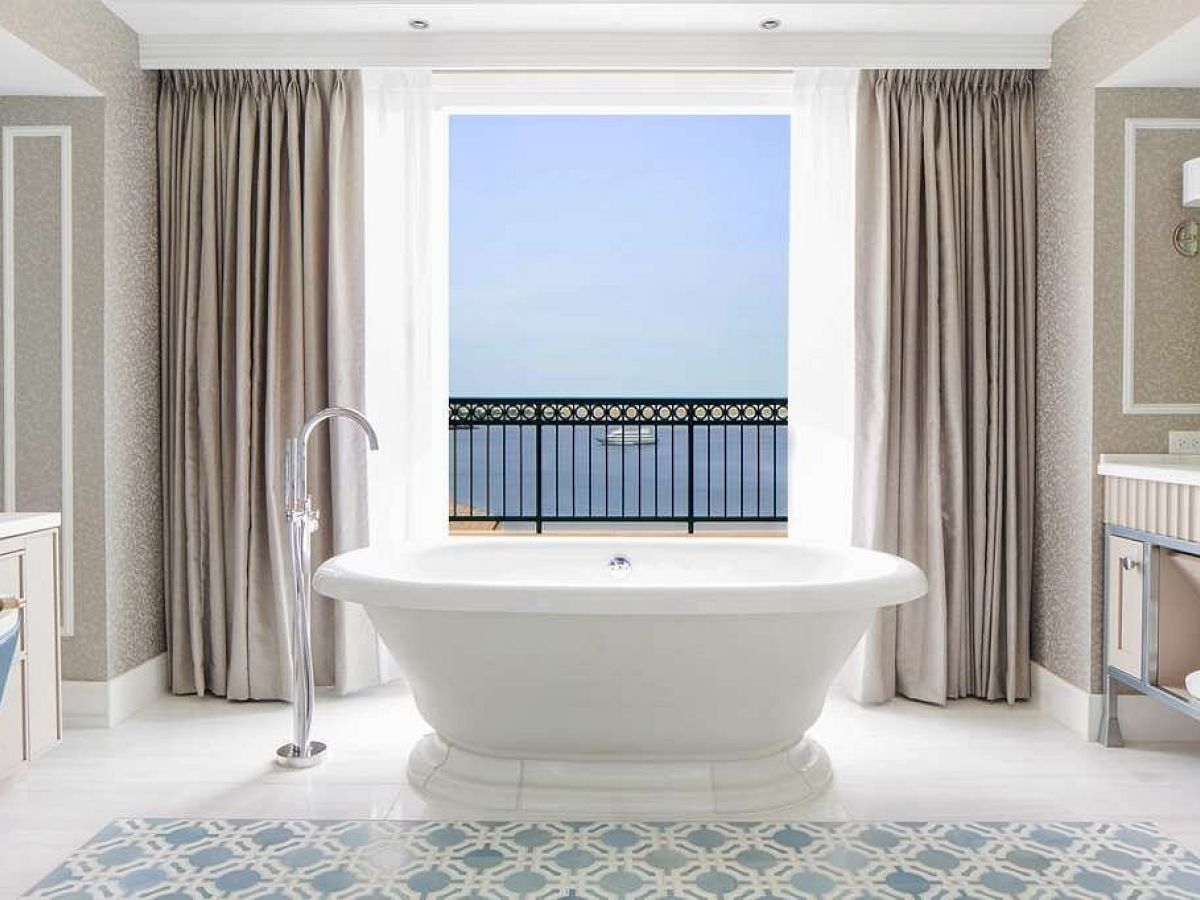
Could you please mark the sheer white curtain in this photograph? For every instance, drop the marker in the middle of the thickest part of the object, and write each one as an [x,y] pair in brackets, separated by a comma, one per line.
[405,318]
[821,306]
[821,370]
[405,315]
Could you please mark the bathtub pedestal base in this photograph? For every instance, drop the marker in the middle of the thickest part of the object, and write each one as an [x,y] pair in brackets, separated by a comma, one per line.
[468,780]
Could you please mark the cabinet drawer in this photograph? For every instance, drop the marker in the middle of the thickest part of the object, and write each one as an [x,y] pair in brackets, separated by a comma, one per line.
[1125,584]
[30,714]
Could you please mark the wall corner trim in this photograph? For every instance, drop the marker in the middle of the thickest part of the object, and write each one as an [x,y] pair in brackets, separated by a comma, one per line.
[105,704]
[1142,718]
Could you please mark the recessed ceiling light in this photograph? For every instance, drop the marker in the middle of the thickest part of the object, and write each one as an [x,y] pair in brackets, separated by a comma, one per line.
[418,24]
[770,24]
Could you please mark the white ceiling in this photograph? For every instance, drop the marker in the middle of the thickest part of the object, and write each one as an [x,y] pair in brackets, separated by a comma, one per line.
[594,34]
[1172,62]
[210,17]
[26,72]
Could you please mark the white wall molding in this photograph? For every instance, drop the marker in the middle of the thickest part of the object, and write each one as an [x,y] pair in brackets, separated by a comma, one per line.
[1142,718]
[595,51]
[8,137]
[1129,403]
[104,704]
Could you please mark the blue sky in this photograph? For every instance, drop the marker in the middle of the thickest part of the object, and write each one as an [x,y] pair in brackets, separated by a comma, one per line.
[618,255]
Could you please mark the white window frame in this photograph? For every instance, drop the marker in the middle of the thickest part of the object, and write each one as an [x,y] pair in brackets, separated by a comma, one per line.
[549,92]
[561,92]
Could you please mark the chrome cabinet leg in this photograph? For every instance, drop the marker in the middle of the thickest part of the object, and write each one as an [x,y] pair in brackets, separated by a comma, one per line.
[1110,726]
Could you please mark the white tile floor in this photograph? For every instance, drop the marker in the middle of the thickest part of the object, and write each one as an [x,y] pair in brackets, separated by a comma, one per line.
[206,757]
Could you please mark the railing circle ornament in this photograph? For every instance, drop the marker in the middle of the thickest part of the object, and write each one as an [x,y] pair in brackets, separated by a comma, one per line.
[579,412]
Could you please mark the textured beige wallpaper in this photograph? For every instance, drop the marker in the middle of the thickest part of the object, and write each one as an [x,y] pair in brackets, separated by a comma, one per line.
[1094,43]
[37,322]
[1113,431]
[85,656]
[85,37]
[1166,284]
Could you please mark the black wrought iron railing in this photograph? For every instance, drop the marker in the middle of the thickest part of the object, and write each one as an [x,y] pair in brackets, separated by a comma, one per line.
[689,461]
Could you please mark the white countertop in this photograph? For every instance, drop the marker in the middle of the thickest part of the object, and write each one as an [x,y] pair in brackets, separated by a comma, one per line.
[1175,468]
[12,524]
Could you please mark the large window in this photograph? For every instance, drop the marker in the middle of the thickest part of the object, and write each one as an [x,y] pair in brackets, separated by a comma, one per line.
[618,295]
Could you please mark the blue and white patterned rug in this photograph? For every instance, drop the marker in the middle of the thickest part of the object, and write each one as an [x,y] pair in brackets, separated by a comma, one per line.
[262,858]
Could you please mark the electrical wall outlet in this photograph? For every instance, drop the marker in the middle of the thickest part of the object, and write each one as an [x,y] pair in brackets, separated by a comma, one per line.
[1185,442]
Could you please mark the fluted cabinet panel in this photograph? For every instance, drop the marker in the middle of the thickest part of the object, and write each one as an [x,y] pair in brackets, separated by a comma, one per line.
[1154,506]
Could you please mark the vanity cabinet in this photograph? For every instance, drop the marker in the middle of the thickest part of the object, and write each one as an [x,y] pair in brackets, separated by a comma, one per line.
[1126,597]
[1151,582]
[31,709]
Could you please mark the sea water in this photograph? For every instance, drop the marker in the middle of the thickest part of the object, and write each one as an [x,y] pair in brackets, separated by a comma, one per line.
[736,472]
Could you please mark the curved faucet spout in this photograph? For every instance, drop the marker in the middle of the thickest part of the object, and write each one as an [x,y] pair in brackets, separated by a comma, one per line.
[295,470]
[335,412]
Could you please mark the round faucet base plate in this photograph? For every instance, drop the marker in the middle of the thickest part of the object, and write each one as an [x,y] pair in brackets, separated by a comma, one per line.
[289,756]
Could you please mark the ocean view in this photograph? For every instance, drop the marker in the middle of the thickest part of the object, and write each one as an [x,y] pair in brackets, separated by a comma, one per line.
[618,257]
[737,471]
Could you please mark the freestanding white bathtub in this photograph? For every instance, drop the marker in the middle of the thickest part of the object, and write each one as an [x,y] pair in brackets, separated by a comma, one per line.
[637,676]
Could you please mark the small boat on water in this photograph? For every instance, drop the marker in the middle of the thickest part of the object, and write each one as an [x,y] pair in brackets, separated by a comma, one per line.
[629,435]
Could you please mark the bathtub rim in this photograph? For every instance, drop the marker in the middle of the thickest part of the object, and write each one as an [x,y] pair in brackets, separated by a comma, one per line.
[349,577]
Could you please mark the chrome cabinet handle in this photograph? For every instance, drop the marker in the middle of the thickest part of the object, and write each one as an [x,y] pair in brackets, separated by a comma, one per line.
[1129,564]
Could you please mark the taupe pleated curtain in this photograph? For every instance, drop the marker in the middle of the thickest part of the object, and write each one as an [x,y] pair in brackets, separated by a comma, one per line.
[945,375]
[260,199]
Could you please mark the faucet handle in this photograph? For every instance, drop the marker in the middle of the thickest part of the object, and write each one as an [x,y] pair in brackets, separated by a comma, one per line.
[312,515]
[306,513]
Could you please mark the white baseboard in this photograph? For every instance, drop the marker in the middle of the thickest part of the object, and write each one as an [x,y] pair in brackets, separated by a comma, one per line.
[103,704]
[1064,702]
[1142,718]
